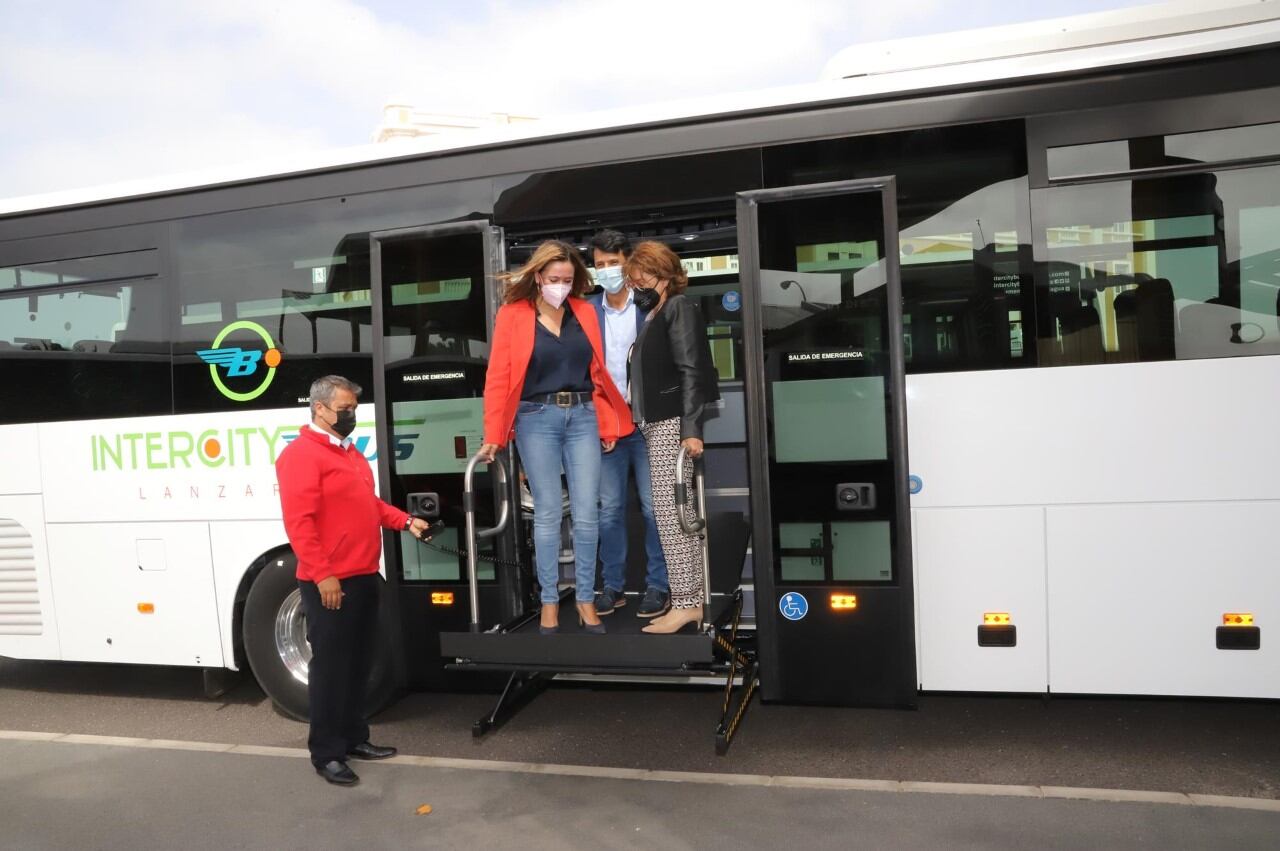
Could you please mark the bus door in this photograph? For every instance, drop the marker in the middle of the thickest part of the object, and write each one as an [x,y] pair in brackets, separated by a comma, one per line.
[431,303]
[831,539]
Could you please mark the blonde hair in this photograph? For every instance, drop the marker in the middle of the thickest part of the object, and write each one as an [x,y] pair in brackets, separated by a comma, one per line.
[522,284]
[656,259]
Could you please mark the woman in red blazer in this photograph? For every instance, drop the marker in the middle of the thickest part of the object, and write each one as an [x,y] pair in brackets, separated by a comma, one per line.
[547,386]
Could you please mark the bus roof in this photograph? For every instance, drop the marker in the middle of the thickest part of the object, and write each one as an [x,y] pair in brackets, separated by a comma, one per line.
[983,57]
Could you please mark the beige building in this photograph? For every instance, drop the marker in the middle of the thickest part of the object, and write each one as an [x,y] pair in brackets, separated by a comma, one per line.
[404,121]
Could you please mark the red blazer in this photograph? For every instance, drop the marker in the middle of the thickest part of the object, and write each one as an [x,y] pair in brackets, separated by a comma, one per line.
[509,361]
[331,514]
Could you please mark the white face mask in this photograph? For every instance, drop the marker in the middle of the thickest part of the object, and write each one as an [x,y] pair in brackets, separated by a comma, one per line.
[555,294]
[610,278]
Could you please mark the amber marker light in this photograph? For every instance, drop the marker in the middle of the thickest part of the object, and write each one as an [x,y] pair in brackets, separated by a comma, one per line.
[1237,619]
[442,598]
[996,618]
[844,602]
[147,608]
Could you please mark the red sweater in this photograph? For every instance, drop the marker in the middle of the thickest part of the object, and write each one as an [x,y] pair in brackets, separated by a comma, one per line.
[331,514]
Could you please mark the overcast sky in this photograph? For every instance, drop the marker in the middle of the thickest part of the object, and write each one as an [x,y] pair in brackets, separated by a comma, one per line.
[99,91]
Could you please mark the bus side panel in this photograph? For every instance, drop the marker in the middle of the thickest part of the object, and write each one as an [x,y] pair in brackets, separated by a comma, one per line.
[971,561]
[135,592]
[19,459]
[1169,431]
[28,618]
[1140,590]
[235,547]
[1159,512]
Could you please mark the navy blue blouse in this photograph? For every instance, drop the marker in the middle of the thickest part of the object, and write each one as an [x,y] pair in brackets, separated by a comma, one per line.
[558,363]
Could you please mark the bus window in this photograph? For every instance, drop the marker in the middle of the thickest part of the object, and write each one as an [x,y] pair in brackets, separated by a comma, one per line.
[294,278]
[1160,269]
[964,253]
[96,350]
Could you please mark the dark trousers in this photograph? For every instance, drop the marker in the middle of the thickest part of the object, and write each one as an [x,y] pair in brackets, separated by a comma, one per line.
[341,656]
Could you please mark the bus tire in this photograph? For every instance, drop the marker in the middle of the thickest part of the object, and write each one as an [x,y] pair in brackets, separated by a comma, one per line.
[274,633]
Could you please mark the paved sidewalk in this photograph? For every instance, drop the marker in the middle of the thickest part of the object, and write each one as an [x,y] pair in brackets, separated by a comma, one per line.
[76,792]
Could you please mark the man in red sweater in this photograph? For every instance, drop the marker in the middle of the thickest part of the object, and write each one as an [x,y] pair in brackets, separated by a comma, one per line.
[334,521]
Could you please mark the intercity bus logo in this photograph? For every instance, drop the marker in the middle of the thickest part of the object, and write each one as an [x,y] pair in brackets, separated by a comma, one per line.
[239,362]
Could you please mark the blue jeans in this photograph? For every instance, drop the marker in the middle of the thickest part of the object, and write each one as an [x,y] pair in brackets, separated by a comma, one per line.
[550,438]
[631,454]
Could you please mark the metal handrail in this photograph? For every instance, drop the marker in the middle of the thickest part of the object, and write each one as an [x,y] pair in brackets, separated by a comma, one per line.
[697,524]
[474,535]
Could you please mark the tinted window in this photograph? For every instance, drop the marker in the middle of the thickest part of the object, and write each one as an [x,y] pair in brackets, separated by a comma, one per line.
[1208,146]
[294,280]
[577,198]
[78,270]
[83,352]
[1160,269]
[965,256]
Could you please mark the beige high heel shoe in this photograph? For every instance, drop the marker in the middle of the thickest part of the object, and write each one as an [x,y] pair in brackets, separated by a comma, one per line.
[674,621]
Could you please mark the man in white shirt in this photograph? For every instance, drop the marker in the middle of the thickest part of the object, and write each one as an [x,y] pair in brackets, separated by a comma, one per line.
[620,322]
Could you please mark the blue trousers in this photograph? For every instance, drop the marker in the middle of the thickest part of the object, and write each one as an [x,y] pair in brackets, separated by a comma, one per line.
[630,455]
[551,439]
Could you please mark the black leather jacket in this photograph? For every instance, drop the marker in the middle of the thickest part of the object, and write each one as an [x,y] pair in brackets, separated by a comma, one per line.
[670,370]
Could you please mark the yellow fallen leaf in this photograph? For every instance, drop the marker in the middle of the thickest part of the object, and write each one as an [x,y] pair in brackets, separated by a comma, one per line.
[424,809]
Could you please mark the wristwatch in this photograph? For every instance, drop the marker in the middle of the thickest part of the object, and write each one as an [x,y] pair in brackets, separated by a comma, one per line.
[408,523]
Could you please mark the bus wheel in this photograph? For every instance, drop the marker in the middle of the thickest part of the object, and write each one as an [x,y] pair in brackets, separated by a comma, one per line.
[275,640]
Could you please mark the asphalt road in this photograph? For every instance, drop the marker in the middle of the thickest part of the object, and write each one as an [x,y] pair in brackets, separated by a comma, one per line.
[62,795]
[1190,746]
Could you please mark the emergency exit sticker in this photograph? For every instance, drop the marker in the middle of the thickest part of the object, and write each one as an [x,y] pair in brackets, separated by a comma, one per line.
[818,357]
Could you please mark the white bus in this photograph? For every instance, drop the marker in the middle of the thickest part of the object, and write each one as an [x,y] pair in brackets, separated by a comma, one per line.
[1073,229]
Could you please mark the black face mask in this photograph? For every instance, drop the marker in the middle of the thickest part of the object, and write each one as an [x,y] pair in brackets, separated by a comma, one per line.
[646,299]
[345,423]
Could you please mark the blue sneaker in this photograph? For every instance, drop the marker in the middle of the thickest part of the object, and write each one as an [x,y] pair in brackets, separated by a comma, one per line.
[655,603]
[608,600]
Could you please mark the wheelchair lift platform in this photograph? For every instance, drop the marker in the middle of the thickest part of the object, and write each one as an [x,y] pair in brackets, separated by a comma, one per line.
[573,649]
[716,647]
[533,659]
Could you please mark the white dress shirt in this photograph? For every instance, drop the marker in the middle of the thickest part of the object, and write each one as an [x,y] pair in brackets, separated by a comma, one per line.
[619,335]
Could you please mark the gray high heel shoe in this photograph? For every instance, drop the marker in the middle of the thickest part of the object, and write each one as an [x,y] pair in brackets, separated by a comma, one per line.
[593,628]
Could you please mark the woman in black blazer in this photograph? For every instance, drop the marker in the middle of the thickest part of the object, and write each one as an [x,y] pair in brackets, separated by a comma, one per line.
[672,381]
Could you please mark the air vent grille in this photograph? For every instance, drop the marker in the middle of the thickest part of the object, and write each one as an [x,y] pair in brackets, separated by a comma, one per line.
[19,592]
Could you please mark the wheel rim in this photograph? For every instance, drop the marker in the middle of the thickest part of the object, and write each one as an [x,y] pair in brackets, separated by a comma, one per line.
[291,637]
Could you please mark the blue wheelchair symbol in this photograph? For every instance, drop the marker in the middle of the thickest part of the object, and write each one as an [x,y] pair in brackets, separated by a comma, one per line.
[793,606]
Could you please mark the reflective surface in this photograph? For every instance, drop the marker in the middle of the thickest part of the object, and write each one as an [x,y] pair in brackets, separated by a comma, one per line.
[1160,269]
[824,312]
[300,273]
[965,258]
[100,350]
[103,267]
[1207,146]
[435,345]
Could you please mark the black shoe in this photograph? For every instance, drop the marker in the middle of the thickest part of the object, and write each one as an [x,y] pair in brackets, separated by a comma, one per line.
[368,751]
[336,772]
[655,603]
[608,600]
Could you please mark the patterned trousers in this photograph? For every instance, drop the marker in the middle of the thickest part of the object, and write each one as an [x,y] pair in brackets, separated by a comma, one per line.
[682,551]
